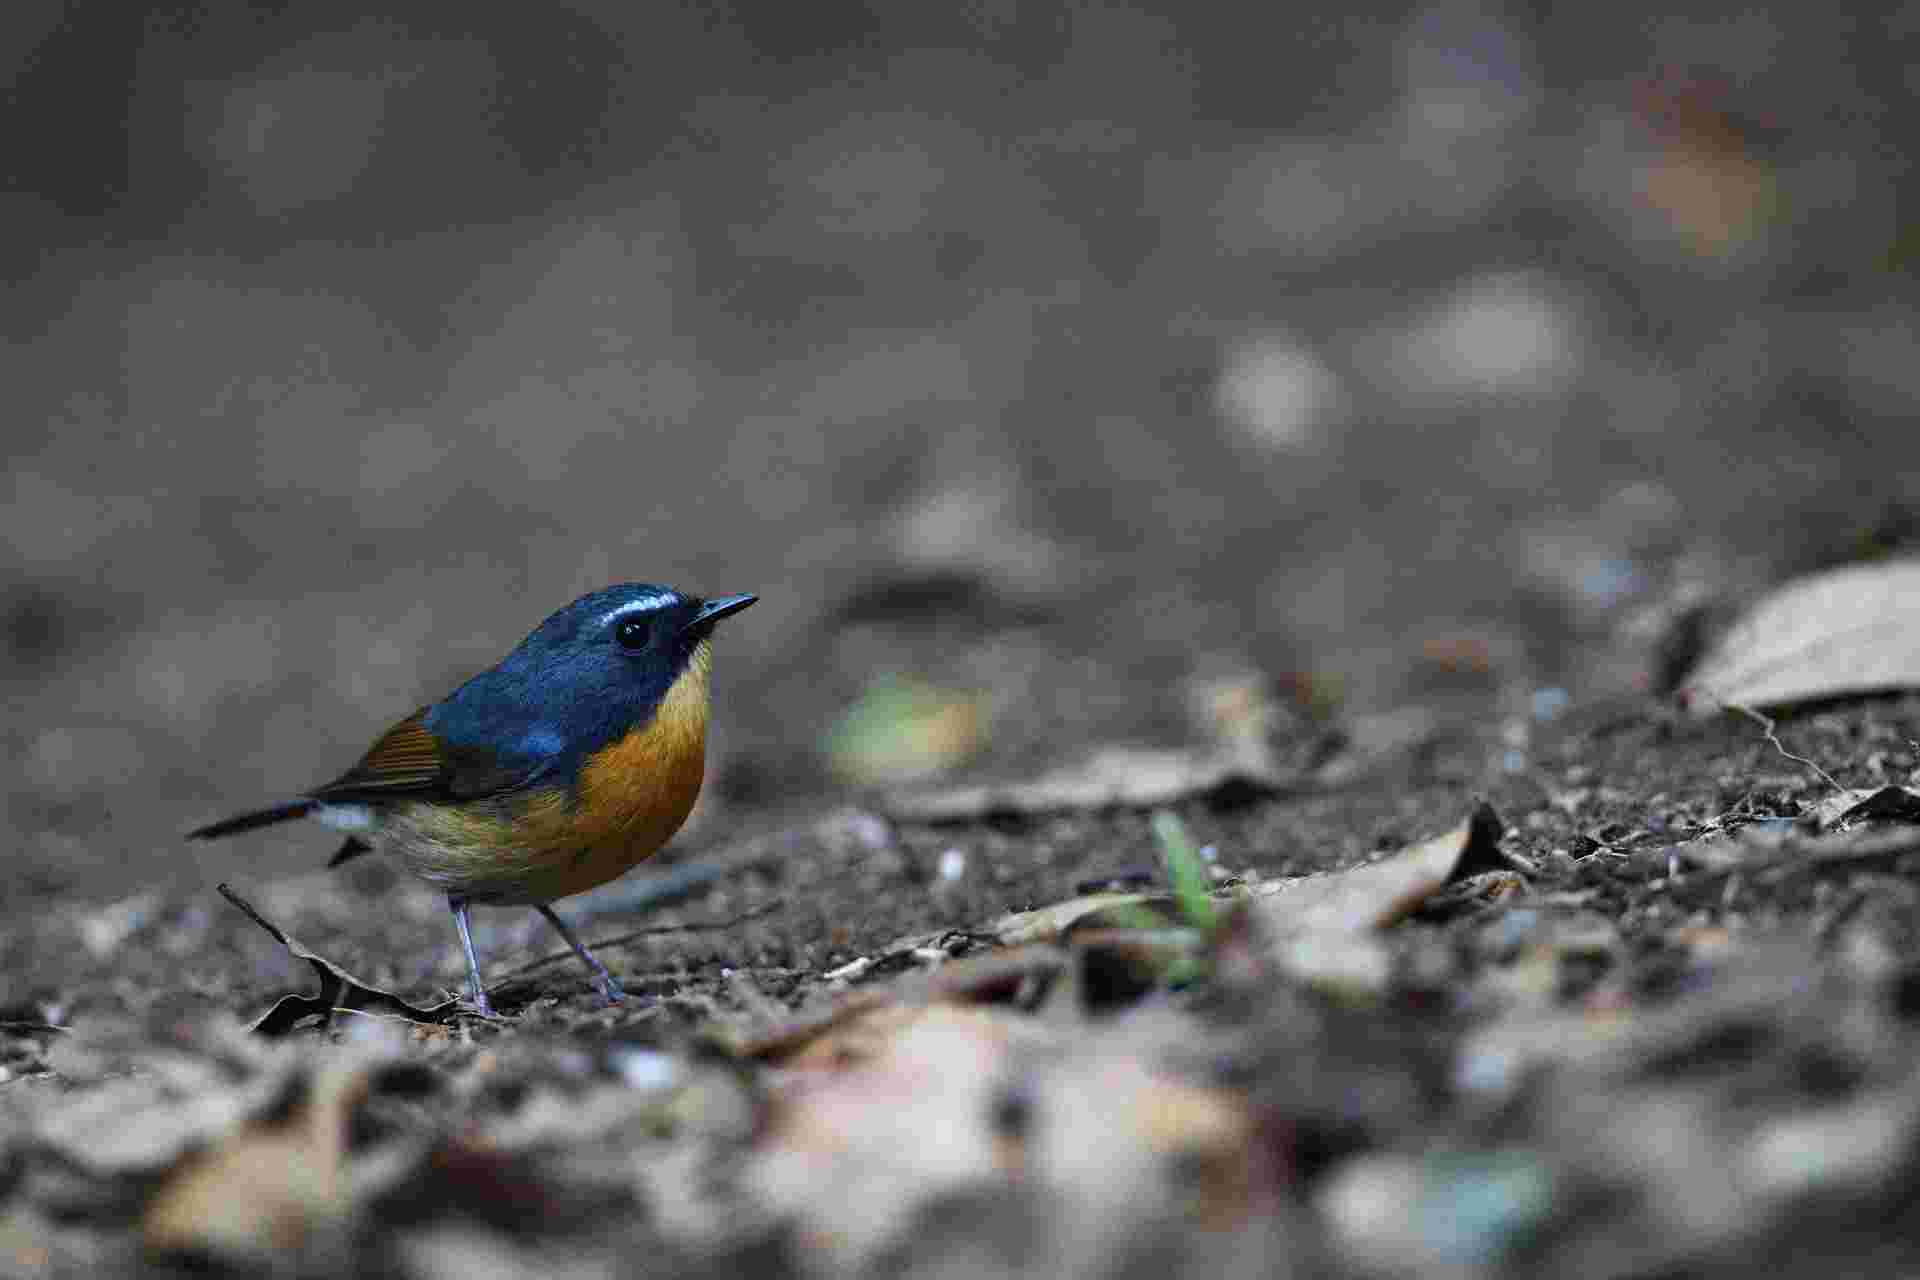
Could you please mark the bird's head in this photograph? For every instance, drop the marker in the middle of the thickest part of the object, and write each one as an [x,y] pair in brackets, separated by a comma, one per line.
[590,673]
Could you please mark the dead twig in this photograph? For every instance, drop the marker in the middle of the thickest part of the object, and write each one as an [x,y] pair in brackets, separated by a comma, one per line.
[1766,723]
[621,940]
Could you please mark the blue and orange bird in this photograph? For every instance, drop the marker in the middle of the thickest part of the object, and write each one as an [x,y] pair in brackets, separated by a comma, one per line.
[559,768]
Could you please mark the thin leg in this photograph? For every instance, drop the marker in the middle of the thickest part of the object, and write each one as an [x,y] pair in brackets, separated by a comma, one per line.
[475,989]
[609,985]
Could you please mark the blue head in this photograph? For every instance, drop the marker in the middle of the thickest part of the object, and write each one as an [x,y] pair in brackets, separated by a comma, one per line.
[585,678]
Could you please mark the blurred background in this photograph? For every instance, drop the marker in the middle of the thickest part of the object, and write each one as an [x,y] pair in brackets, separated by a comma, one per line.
[1036,363]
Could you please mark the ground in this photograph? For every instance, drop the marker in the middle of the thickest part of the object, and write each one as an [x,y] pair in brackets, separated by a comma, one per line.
[1658,1017]
[1175,445]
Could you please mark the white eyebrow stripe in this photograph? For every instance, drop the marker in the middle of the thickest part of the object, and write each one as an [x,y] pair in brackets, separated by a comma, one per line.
[645,604]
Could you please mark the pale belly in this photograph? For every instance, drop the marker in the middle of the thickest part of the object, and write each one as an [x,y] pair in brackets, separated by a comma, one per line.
[480,859]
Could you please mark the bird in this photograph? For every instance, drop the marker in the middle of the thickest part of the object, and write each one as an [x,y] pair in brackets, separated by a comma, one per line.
[555,770]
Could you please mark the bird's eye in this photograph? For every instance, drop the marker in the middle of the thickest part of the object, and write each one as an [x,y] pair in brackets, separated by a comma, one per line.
[632,633]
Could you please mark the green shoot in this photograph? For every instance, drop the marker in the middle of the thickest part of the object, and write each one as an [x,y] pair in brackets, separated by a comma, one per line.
[1185,871]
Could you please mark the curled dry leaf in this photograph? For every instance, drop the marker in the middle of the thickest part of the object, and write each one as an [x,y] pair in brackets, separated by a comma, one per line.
[338,988]
[1325,926]
[1846,631]
[1888,804]
[1839,809]
[1382,893]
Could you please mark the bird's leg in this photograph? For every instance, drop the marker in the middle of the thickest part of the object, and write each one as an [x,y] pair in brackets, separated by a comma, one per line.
[609,985]
[475,988]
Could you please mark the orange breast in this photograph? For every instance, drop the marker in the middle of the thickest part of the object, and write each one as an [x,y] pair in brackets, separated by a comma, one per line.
[628,801]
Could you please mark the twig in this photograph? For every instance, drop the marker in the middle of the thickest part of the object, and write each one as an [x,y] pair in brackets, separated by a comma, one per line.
[1766,723]
[621,940]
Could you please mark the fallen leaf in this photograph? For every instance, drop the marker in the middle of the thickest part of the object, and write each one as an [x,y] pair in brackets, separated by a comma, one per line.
[1111,778]
[1846,631]
[857,1141]
[1366,744]
[919,1104]
[1109,1128]
[1325,927]
[1888,804]
[995,977]
[903,730]
[1450,1211]
[1832,812]
[138,1093]
[776,1041]
[1380,893]
[267,1188]
[1049,923]
[138,1126]
[338,988]
[1859,1144]
[1708,176]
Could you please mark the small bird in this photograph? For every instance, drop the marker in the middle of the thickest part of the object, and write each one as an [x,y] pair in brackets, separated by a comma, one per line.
[577,755]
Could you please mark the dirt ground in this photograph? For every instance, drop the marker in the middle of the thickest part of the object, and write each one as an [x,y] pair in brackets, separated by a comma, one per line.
[1176,446]
[1663,1023]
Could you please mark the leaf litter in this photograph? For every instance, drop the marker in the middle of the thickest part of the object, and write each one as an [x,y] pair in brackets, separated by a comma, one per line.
[340,991]
[1850,630]
[1512,1048]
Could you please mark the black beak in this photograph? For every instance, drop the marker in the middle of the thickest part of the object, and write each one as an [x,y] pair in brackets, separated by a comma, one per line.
[714,610]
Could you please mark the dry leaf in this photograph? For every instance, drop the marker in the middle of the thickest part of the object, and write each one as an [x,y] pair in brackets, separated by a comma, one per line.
[1846,631]
[1380,893]
[906,1105]
[1110,1129]
[859,1141]
[138,1125]
[1112,778]
[1888,804]
[338,988]
[1047,924]
[1325,926]
[140,1093]
[266,1189]
[902,730]
[994,977]
[1836,809]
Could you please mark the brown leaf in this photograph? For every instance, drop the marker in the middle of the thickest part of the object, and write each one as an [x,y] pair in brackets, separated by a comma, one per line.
[270,1186]
[892,1110]
[843,1027]
[338,988]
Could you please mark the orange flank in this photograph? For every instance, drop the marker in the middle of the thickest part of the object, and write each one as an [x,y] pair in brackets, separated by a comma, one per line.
[536,847]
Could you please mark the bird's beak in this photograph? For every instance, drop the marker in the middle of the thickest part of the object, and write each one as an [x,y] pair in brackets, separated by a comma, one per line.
[714,610]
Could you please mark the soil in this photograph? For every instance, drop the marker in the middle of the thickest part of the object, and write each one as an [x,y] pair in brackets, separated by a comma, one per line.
[1682,1035]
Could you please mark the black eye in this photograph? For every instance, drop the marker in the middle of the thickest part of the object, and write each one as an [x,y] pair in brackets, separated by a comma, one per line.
[632,633]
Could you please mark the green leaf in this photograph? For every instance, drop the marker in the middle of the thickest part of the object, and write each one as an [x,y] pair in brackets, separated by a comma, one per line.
[1186,873]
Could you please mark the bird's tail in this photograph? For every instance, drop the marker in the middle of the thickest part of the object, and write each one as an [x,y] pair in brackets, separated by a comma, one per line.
[258,818]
